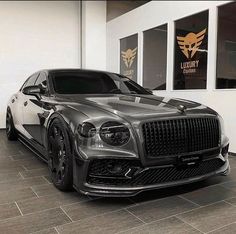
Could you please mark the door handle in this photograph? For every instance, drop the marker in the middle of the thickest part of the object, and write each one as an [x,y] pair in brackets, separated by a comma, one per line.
[25,103]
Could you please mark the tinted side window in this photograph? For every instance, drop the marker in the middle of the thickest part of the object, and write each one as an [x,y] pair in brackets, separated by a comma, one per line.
[30,81]
[42,80]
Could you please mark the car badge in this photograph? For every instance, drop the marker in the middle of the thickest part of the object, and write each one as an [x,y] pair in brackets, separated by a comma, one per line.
[181,108]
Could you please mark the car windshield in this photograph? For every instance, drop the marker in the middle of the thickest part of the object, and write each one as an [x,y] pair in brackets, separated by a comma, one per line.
[94,83]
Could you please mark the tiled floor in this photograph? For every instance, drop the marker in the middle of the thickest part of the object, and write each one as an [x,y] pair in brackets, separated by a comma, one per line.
[29,203]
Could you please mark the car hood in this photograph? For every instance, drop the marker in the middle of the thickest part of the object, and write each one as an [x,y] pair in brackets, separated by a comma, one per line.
[137,106]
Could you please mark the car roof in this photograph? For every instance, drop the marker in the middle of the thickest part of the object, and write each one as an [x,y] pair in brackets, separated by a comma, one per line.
[48,71]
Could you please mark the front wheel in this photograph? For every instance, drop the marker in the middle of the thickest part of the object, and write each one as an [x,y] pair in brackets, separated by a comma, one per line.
[60,156]
[10,128]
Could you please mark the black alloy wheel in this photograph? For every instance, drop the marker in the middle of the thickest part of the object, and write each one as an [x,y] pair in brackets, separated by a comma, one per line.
[60,156]
[10,128]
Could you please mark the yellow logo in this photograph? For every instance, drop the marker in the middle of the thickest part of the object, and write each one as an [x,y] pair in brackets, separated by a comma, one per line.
[129,56]
[190,43]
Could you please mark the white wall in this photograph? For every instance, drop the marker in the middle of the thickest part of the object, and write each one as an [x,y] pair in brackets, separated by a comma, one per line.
[156,13]
[94,35]
[34,36]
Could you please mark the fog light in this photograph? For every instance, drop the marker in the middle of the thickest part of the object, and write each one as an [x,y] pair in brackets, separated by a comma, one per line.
[116,169]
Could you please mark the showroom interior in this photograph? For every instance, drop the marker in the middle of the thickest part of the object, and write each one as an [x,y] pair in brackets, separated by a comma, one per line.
[177,49]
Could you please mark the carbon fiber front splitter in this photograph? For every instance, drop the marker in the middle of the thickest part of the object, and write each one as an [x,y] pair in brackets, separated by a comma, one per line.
[81,184]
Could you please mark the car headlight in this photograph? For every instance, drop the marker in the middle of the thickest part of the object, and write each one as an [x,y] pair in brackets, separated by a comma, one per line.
[87,130]
[114,133]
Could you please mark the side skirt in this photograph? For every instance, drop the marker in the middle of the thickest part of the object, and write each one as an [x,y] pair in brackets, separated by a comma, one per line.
[30,146]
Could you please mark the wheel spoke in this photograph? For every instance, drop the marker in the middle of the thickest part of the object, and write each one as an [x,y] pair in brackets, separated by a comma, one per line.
[52,140]
[60,142]
[57,152]
[59,175]
[8,123]
[55,131]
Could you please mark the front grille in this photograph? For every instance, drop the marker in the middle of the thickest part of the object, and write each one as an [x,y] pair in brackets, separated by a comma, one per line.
[180,136]
[157,175]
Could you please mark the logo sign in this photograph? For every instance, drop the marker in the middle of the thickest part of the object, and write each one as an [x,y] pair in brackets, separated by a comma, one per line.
[128,56]
[191,45]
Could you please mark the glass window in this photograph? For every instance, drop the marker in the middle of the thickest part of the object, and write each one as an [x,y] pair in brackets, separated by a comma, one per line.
[42,80]
[226,47]
[128,56]
[191,44]
[94,83]
[30,81]
[154,58]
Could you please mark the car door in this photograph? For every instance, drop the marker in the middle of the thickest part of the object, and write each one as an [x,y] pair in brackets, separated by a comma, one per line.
[17,111]
[32,110]
[18,101]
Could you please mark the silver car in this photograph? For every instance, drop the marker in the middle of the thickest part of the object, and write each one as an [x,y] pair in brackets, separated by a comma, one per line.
[103,134]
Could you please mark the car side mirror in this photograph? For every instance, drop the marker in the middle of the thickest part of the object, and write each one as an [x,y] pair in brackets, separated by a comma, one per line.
[33,90]
[149,90]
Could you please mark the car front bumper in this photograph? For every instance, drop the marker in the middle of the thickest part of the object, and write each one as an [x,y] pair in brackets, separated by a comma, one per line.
[84,185]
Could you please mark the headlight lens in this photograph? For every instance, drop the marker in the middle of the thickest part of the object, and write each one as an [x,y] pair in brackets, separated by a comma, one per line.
[114,133]
[87,130]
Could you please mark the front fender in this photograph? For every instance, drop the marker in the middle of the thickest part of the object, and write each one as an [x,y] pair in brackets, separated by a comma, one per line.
[69,116]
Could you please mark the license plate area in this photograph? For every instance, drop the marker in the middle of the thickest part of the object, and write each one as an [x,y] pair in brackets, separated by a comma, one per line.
[188,161]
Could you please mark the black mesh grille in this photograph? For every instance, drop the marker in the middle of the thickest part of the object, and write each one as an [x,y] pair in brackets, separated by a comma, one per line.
[179,136]
[102,166]
[160,175]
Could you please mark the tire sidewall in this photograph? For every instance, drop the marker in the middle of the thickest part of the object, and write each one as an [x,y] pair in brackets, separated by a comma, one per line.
[12,135]
[67,182]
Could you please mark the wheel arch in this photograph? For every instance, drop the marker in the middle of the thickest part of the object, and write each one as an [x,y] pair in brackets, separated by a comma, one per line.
[71,117]
[67,123]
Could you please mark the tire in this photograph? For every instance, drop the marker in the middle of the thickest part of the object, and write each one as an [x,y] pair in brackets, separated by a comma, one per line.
[60,156]
[10,128]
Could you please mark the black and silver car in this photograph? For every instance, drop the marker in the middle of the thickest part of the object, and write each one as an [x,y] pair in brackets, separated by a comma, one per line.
[103,134]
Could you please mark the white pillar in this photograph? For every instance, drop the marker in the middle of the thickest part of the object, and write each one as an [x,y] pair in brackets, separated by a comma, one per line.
[94,35]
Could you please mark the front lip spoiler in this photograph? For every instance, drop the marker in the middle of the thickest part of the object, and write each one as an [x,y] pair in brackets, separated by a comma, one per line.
[105,191]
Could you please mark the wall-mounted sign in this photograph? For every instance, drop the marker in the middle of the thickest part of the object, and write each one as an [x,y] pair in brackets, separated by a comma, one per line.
[191,38]
[128,56]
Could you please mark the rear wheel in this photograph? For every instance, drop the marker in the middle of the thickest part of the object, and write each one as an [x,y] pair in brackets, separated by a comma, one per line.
[60,156]
[10,128]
